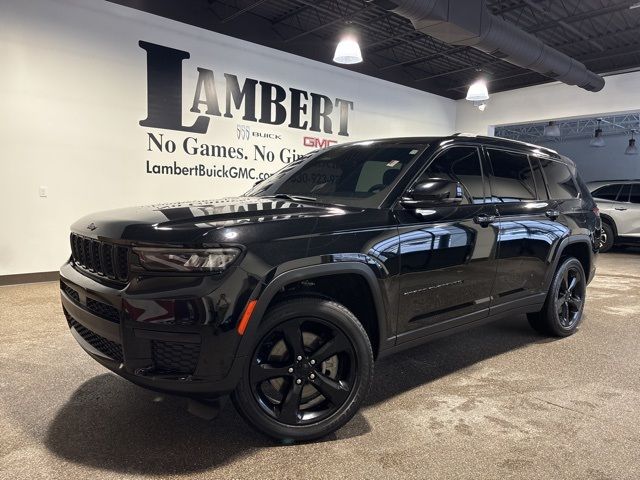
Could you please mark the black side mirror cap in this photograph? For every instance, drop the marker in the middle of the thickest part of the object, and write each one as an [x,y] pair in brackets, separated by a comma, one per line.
[433,192]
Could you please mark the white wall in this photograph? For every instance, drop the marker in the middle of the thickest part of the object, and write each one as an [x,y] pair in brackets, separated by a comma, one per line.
[73,89]
[548,102]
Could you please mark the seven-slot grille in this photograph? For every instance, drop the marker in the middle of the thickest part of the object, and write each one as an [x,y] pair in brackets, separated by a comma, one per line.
[102,258]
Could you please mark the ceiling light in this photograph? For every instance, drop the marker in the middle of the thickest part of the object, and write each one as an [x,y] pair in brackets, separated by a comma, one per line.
[631,149]
[478,91]
[598,139]
[552,130]
[481,105]
[348,52]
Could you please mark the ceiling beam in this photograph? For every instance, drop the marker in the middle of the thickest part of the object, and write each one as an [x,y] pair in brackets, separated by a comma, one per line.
[564,24]
[243,10]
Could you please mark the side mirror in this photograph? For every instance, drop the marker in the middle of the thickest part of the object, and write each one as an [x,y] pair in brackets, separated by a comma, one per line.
[432,192]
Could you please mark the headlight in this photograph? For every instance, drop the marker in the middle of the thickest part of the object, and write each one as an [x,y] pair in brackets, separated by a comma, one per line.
[183,260]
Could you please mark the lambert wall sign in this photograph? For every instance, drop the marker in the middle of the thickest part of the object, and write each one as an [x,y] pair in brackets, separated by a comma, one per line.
[269,113]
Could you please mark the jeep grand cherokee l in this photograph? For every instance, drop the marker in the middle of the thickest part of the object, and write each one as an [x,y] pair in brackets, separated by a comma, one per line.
[285,295]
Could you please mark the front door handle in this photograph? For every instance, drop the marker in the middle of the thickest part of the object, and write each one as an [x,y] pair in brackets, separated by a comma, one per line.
[621,209]
[484,220]
[552,214]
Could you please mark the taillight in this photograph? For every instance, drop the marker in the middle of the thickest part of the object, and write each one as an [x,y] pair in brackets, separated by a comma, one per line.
[596,210]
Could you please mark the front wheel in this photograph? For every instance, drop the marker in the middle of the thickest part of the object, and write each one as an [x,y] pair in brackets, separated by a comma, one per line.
[562,311]
[310,369]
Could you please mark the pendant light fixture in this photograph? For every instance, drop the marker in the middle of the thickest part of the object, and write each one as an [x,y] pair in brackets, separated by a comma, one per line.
[631,149]
[348,51]
[552,130]
[478,91]
[598,139]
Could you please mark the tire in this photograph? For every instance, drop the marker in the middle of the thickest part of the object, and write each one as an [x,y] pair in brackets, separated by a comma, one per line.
[607,237]
[293,344]
[562,312]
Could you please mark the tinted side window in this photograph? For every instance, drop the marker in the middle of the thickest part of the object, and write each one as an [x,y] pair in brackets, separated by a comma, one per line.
[460,164]
[559,180]
[608,192]
[623,196]
[512,179]
[539,177]
[635,193]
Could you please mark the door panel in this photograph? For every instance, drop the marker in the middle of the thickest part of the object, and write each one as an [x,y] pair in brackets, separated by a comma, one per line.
[627,212]
[447,253]
[528,227]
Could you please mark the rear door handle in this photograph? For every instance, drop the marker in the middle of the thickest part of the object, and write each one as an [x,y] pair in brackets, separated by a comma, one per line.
[552,214]
[484,220]
[621,209]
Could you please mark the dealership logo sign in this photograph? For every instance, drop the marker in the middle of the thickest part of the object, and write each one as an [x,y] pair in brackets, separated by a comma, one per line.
[316,142]
[304,110]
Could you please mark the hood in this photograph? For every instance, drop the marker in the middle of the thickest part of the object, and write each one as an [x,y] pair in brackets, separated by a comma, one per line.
[198,221]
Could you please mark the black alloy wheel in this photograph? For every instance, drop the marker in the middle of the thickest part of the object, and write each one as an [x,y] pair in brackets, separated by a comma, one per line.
[310,369]
[303,371]
[570,297]
[563,308]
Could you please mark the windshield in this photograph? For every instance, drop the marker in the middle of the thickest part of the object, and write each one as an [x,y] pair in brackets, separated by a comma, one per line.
[359,174]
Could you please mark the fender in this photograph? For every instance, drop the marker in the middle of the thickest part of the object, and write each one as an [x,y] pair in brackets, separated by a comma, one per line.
[554,256]
[265,293]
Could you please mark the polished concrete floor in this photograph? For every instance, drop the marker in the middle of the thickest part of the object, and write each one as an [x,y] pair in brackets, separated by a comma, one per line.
[494,402]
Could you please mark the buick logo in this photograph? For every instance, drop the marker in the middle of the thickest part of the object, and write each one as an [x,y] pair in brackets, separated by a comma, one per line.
[91,226]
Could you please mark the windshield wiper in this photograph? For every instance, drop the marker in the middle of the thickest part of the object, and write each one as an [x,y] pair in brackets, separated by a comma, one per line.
[299,198]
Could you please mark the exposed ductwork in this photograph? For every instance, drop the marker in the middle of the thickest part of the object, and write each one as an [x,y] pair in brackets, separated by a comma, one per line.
[470,23]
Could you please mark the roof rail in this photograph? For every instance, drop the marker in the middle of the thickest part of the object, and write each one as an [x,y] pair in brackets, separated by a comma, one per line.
[508,140]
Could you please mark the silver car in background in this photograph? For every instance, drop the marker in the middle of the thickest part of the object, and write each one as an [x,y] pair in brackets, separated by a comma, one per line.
[619,204]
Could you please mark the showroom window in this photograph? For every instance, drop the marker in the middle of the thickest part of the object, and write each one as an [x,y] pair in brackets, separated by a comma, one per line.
[512,179]
[460,164]
[608,192]
[559,180]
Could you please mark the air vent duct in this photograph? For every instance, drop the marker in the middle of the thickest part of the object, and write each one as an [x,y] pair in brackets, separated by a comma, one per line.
[471,23]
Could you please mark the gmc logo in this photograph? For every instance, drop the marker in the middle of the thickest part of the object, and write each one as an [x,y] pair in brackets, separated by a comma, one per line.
[316,142]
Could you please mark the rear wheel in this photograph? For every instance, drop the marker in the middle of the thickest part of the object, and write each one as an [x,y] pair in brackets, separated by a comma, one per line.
[309,371]
[562,311]
[606,237]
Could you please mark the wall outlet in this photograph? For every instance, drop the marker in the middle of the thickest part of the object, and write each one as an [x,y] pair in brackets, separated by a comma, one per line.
[44,191]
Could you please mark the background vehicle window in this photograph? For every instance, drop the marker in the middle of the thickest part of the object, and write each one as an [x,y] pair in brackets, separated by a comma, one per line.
[635,193]
[460,164]
[623,196]
[608,192]
[559,180]
[512,179]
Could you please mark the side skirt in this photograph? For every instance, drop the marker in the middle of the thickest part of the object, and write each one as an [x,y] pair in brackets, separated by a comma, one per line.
[427,337]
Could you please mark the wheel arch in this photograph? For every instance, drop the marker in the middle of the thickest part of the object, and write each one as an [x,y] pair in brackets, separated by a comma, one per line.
[578,246]
[610,221]
[275,291]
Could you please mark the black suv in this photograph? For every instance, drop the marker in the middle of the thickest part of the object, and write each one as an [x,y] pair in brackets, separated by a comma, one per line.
[284,296]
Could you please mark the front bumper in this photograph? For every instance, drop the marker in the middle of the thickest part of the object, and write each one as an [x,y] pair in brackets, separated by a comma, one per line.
[166,333]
